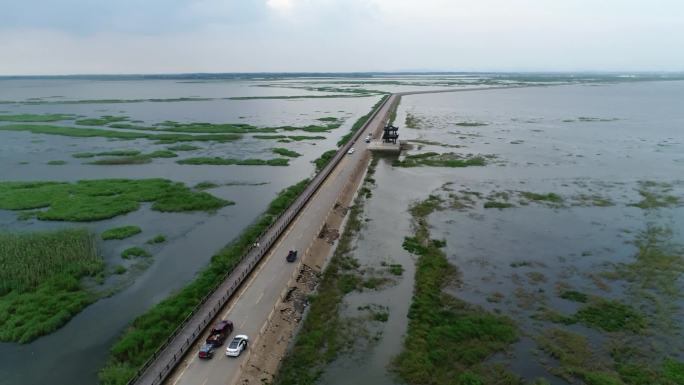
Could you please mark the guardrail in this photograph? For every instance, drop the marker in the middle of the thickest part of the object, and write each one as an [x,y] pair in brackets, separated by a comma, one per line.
[166,357]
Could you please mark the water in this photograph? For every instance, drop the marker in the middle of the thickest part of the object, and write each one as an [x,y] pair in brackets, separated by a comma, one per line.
[74,353]
[515,260]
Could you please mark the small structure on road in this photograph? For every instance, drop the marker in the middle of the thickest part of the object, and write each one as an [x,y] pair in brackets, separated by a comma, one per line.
[390,134]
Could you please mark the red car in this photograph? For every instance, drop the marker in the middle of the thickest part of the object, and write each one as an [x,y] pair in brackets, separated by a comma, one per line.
[219,333]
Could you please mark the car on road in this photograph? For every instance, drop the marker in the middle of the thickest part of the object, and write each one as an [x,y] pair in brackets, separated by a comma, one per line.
[368,138]
[206,351]
[291,256]
[351,151]
[237,345]
[219,333]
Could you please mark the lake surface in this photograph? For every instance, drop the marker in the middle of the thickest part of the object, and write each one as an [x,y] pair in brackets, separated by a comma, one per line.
[593,145]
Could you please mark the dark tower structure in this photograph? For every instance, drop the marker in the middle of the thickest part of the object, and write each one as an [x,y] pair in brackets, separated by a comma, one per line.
[390,134]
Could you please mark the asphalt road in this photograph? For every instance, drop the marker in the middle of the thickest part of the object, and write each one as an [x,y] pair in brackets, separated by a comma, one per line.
[252,305]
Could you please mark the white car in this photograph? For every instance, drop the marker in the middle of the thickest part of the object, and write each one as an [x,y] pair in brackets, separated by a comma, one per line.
[237,345]
[351,151]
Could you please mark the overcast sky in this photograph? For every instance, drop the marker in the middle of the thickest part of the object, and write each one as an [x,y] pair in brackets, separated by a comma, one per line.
[178,36]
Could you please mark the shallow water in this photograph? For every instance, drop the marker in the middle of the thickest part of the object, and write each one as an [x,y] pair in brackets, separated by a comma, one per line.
[525,254]
[75,353]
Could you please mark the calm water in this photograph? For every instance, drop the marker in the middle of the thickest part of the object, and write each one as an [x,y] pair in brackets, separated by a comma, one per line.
[524,254]
[74,353]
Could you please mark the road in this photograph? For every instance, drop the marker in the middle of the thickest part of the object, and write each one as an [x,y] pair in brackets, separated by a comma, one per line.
[250,307]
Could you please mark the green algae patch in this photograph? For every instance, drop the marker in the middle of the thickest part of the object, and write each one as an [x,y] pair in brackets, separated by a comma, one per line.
[35,118]
[93,200]
[433,159]
[218,161]
[121,232]
[40,280]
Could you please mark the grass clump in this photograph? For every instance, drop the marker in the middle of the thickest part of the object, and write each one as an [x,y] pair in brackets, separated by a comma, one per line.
[183,147]
[93,200]
[149,331]
[611,316]
[656,195]
[471,124]
[102,121]
[550,197]
[79,132]
[286,152]
[160,238]
[135,251]
[205,185]
[137,159]
[447,338]
[433,159]
[324,159]
[575,296]
[396,269]
[121,232]
[497,205]
[56,162]
[296,138]
[40,287]
[37,118]
[217,161]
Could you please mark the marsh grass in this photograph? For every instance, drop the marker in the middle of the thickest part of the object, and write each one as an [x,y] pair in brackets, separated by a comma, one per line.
[121,232]
[205,185]
[40,287]
[412,121]
[324,159]
[135,251]
[37,118]
[159,238]
[147,332]
[102,121]
[448,340]
[93,200]
[296,138]
[656,195]
[433,159]
[56,162]
[286,152]
[217,161]
[79,132]
[183,147]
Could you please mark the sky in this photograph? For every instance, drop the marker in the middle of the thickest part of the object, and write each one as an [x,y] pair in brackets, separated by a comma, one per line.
[53,37]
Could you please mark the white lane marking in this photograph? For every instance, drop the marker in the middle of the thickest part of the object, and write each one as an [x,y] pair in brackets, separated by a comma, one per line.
[260,297]
[205,381]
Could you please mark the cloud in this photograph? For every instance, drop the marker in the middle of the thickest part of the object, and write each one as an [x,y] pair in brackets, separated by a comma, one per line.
[95,36]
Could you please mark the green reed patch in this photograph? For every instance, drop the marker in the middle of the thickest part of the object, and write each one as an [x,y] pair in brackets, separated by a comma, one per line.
[80,132]
[56,162]
[497,205]
[286,152]
[102,121]
[549,197]
[205,185]
[656,195]
[150,330]
[92,200]
[575,296]
[40,287]
[106,153]
[471,124]
[324,159]
[159,238]
[135,251]
[218,161]
[433,159]
[183,147]
[447,338]
[296,138]
[37,118]
[121,232]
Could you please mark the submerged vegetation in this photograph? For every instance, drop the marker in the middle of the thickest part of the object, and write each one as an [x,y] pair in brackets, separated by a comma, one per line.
[217,161]
[149,331]
[97,132]
[286,152]
[40,288]
[37,118]
[92,200]
[433,159]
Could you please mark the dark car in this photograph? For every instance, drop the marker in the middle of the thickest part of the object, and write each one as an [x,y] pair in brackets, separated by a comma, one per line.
[206,351]
[219,333]
[291,256]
